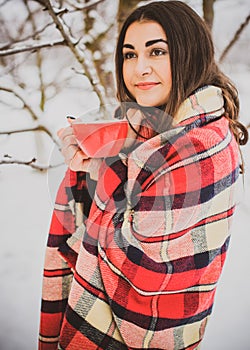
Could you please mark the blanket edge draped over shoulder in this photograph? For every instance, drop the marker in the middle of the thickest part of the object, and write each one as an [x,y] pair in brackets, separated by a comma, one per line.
[133,261]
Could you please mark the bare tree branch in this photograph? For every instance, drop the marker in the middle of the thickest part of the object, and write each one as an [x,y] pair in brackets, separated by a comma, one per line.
[25,104]
[36,128]
[12,65]
[27,37]
[87,6]
[235,38]
[208,12]
[39,61]
[32,47]
[7,160]
[125,7]
[71,43]
[3,3]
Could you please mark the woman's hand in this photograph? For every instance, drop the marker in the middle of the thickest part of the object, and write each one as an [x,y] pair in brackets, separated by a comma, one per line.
[74,156]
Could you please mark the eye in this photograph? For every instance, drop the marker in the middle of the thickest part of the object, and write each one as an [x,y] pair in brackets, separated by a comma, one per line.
[129,55]
[158,52]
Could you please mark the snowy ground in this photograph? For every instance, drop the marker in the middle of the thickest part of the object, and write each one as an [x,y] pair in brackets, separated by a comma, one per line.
[27,197]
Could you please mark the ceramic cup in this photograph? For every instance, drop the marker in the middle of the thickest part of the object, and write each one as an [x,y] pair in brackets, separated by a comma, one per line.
[101,138]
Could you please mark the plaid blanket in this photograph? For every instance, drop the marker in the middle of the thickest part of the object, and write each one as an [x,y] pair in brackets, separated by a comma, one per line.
[133,260]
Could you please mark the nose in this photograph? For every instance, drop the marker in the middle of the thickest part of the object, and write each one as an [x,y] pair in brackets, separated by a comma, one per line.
[143,66]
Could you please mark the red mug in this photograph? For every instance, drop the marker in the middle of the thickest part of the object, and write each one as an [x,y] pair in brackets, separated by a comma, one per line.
[102,138]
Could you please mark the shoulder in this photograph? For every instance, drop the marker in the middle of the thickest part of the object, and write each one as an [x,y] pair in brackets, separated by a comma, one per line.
[214,137]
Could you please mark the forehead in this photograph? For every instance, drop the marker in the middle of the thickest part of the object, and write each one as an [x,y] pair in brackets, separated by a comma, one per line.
[143,31]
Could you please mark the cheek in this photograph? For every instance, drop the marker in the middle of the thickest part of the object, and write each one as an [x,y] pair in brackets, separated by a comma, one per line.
[127,75]
[127,72]
[167,82]
[166,72]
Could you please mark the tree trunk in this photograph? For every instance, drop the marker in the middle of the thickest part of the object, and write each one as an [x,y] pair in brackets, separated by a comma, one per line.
[208,12]
[125,8]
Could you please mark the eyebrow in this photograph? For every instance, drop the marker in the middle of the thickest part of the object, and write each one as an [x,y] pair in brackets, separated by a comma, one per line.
[152,42]
[147,44]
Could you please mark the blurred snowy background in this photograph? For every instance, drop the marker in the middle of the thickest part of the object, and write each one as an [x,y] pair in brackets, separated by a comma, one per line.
[52,84]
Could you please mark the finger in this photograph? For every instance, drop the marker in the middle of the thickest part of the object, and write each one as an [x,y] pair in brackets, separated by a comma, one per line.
[91,165]
[69,153]
[70,118]
[59,132]
[62,133]
[79,162]
[76,163]
[69,140]
[80,155]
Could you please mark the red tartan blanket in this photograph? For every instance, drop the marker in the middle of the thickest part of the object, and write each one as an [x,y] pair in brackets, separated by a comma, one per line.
[137,266]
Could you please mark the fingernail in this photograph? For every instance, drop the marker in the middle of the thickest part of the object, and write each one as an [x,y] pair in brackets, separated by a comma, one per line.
[59,132]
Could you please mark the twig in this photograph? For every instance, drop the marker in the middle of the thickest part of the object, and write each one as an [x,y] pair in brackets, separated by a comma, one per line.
[37,128]
[27,37]
[39,61]
[208,12]
[87,6]
[235,38]
[25,105]
[3,3]
[31,47]
[14,65]
[7,160]
[73,47]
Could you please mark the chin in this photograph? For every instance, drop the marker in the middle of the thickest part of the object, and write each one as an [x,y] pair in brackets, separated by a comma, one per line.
[147,103]
[150,102]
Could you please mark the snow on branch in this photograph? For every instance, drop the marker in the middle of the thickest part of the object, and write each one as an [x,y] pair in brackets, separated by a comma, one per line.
[32,47]
[79,54]
[27,37]
[87,6]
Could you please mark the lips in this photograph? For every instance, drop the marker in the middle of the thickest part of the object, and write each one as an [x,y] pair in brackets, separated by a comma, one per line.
[146,85]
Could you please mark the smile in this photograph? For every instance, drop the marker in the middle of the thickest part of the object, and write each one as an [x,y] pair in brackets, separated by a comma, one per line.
[146,85]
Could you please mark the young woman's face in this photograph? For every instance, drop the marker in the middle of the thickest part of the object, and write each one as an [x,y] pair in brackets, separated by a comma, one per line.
[146,66]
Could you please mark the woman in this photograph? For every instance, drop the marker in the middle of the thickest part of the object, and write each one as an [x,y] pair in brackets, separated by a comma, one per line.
[138,241]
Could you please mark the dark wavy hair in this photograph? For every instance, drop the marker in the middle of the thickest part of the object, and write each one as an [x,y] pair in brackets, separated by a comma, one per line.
[192,59]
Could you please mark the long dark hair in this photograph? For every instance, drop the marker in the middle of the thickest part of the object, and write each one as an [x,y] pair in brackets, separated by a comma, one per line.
[192,59]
